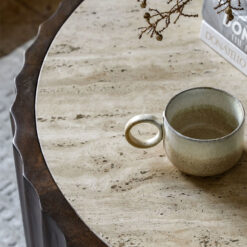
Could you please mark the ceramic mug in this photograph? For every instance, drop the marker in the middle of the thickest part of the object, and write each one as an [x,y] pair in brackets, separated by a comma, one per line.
[200,112]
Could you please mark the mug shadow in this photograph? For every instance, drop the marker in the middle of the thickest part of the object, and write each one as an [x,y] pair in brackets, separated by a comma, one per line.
[229,188]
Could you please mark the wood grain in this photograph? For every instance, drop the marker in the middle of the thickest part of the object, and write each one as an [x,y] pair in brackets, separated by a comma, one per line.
[49,220]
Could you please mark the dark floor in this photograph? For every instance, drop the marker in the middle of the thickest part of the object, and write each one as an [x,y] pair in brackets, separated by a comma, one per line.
[19,21]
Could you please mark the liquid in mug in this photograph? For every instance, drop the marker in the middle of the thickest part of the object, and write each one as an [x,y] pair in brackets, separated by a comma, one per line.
[204,122]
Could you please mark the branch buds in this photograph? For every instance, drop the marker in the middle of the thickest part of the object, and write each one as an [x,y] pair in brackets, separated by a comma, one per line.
[230,16]
[228,11]
[146,15]
[143,4]
[159,37]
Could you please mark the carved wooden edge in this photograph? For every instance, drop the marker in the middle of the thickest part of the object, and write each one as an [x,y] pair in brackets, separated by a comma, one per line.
[49,220]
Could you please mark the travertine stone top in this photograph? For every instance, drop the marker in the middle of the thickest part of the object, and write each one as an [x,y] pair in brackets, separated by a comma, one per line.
[96,76]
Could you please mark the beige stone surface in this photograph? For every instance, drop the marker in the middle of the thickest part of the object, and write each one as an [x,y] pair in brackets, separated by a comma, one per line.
[96,76]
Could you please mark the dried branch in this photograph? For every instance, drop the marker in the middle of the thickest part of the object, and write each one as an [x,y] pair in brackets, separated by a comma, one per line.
[158,21]
[154,17]
[226,5]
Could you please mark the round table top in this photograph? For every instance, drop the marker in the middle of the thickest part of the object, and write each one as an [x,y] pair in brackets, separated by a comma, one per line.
[98,74]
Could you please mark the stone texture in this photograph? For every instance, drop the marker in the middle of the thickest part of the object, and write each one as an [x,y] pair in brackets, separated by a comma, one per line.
[96,76]
[11,231]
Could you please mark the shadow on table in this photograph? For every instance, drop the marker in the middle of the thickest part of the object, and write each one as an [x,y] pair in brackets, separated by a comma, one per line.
[229,188]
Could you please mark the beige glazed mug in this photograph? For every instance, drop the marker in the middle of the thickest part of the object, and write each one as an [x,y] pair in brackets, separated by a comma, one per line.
[202,131]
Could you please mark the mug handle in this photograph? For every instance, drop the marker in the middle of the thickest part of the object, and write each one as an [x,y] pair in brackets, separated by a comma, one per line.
[143,118]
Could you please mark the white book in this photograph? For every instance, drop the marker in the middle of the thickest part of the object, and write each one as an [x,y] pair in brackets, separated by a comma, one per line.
[228,39]
[224,47]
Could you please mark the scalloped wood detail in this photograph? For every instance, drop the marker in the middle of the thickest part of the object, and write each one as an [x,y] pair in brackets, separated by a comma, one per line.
[49,220]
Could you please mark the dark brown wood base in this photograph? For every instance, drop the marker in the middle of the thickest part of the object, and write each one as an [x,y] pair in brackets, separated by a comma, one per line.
[49,220]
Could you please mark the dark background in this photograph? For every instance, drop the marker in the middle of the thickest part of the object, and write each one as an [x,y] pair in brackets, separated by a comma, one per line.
[19,21]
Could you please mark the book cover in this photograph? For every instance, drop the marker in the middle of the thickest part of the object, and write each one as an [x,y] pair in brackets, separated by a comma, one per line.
[235,30]
[228,39]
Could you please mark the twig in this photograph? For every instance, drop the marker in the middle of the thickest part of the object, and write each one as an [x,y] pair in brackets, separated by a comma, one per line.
[158,21]
[155,18]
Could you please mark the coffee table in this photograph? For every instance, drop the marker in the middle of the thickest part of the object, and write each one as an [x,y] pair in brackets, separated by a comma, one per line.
[80,182]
